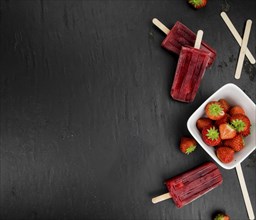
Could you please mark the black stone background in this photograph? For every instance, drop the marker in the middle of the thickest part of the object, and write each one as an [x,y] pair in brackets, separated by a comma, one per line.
[88,129]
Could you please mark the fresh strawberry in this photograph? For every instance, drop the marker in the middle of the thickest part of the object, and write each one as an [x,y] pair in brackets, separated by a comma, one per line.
[211,136]
[214,110]
[187,145]
[198,3]
[224,104]
[227,131]
[225,154]
[221,216]
[241,123]
[223,120]
[203,122]
[236,110]
[236,143]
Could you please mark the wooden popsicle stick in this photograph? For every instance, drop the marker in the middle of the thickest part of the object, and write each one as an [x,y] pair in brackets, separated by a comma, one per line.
[243,49]
[161,198]
[199,37]
[246,196]
[160,25]
[237,36]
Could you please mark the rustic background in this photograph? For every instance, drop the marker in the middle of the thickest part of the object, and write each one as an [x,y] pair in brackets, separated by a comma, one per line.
[88,129]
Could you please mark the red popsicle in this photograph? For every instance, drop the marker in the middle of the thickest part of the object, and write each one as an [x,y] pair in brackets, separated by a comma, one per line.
[180,35]
[191,185]
[191,66]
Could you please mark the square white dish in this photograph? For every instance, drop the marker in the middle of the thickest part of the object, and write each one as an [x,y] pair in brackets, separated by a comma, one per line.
[234,96]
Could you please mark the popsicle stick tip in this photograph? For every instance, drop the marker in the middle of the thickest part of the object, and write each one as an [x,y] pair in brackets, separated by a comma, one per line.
[200,32]
[154,201]
[160,25]
[249,21]
[161,198]
[154,20]
[223,13]
[199,37]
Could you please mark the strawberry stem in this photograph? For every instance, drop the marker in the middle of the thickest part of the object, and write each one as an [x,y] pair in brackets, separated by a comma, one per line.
[239,125]
[216,109]
[190,149]
[212,133]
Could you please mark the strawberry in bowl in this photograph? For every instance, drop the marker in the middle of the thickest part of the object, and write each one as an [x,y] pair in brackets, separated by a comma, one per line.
[230,113]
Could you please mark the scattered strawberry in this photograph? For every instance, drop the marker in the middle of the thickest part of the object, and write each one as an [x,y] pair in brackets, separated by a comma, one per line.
[225,154]
[227,131]
[236,143]
[241,123]
[198,3]
[223,120]
[187,145]
[210,136]
[203,122]
[214,110]
[221,216]
[236,110]
[224,104]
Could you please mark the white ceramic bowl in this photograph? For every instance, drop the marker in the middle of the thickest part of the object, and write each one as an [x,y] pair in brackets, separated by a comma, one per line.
[235,96]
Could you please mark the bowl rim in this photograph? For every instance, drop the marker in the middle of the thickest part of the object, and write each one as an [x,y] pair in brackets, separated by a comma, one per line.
[189,126]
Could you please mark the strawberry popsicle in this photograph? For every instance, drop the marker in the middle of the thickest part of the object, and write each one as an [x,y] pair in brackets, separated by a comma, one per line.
[180,35]
[190,69]
[191,185]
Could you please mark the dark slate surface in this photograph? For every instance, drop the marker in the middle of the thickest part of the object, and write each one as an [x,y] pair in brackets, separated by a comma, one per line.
[88,129]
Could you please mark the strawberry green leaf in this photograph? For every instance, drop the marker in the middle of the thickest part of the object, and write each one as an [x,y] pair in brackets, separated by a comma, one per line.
[216,110]
[190,149]
[239,125]
[220,217]
[195,2]
[212,133]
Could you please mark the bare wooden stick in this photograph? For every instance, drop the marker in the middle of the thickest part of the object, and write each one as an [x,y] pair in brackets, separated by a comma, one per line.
[246,196]
[237,36]
[243,49]
[161,198]
[160,25]
[199,37]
